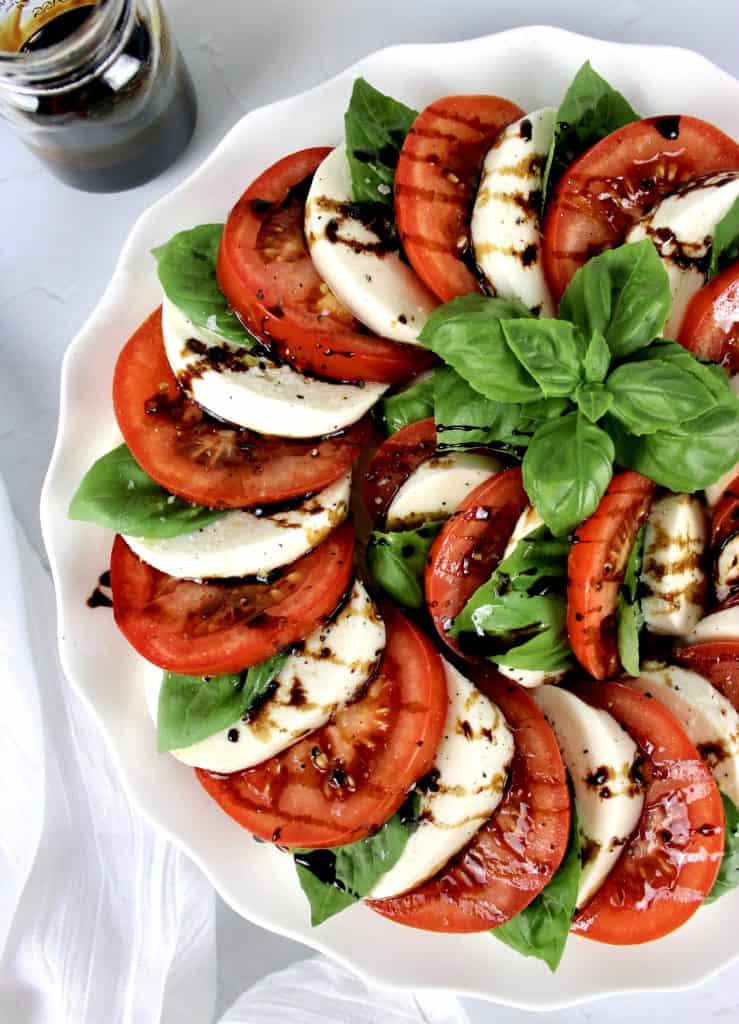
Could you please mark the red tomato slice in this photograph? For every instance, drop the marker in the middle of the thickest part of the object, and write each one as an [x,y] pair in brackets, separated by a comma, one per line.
[345,780]
[435,184]
[470,545]
[266,273]
[669,865]
[614,183]
[718,662]
[725,521]
[515,854]
[595,571]
[710,327]
[204,460]
[207,628]
[392,464]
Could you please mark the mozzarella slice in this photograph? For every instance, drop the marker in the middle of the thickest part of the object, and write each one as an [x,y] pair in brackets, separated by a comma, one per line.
[269,398]
[364,271]
[601,759]
[437,487]
[727,569]
[527,523]
[723,625]
[310,687]
[464,789]
[672,569]
[682,227]
[245,544]
[714,492]
[506,230]
[708,717]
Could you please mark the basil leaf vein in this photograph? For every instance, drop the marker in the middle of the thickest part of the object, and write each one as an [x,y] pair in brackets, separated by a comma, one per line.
[566,470]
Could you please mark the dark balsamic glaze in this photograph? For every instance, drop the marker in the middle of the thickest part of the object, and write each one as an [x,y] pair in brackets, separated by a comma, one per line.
[668,127]
[98,598]
[525,130]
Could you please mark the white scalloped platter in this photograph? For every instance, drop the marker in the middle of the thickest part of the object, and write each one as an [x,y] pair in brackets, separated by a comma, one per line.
[531,66]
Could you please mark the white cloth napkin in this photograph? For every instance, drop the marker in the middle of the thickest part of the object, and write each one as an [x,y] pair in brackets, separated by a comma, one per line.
[102,920]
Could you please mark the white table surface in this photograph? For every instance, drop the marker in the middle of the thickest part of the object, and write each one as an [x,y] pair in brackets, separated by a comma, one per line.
[58,248]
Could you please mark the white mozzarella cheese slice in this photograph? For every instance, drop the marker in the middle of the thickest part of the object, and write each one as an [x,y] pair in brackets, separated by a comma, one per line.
[527,523]
[675,541]
[600,758]
[717,626]
[681,227]
[244,544]
[438,486]
[708,718]
[269,398]
[371,280]
[310,687]
[506,229]
[727,569]
[714,492]
[464,789]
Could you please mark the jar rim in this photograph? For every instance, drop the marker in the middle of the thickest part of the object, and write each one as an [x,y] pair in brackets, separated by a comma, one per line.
[85,47]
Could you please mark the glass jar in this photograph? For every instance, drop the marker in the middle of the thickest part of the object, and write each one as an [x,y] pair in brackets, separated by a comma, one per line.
[98,91]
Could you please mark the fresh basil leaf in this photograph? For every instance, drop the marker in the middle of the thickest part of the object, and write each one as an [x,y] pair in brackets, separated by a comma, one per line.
[467,334]
[597,358]
[593,401]
[590,110]
[542,928]
[465,418]
[375,127]
[397,560]
[335,878]
[118,494]
[409,405]
[186,266]
[191,708]
[551,351]
[728,876]
[624,293]
[630,617]
[566,470]
[656,394]
[725,247]
[546,409]
[684,458]
[529,630]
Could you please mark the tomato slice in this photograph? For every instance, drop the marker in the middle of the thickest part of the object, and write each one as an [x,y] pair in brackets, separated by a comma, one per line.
[614,183]
[469,546]
[718,662]
[203,460]
[515,854]
[669,865]
[266,273]
[710,327]
[435,185]
[211,627]
[725,521]
[345,780]
[393,462]
[596,568]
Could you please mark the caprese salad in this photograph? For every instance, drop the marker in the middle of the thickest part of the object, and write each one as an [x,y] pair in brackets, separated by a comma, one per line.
[482,674]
